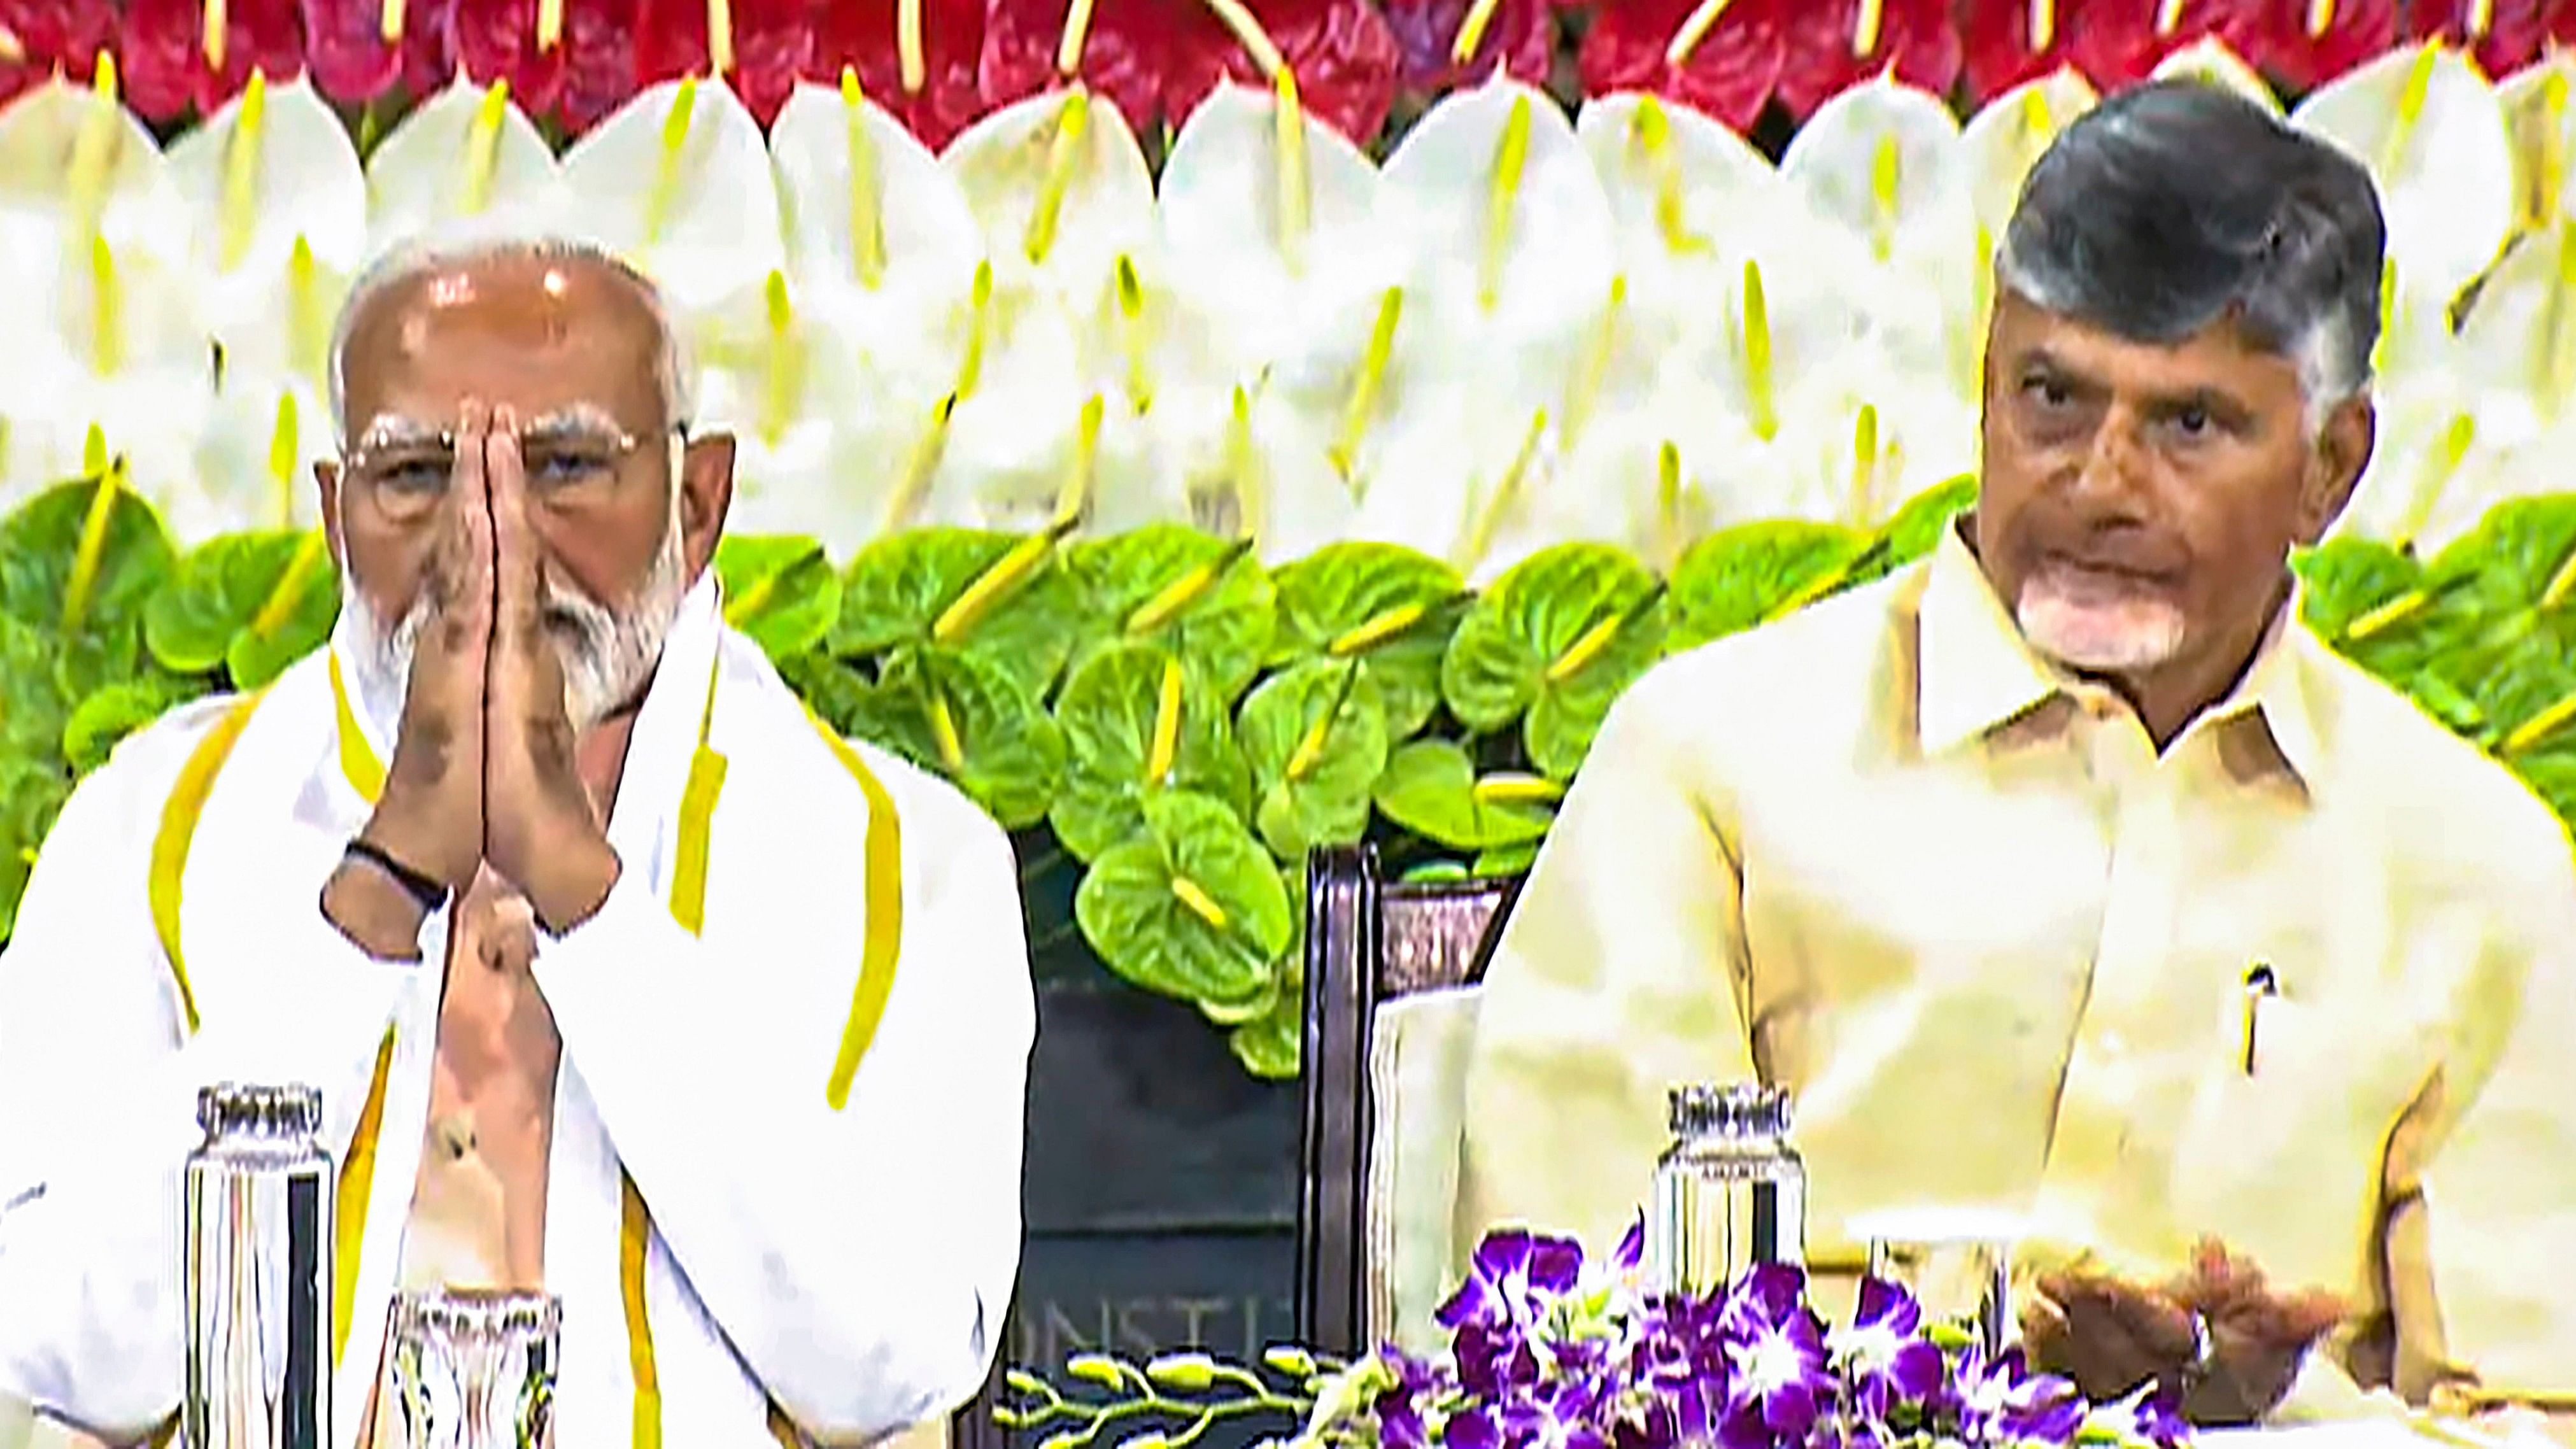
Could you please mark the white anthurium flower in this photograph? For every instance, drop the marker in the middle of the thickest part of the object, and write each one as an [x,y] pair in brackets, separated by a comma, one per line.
[1061,191]
[31,419]
[281,208]
[1511,244]
[1657,474]
[154,419]
[2432,132]
[1246,462]
[2451,420]
[678,182]
[254,462]
[1275,255]
[1463,415]
[1681,189]
[465,156]
[1882,163]
[2543,132]
[76,165]
[2007,136]
[2214,62]
[1859,438]
[878,234]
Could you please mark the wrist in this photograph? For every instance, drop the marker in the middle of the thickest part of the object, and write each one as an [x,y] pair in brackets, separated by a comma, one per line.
[569,886]
[377,915]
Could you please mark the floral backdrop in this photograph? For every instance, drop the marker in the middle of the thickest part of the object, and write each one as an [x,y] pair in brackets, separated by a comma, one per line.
[1209,428]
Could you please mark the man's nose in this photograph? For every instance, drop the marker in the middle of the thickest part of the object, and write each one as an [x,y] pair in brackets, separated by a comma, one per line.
[2112,473]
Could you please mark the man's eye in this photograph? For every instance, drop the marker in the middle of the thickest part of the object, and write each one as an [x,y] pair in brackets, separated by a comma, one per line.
[414,475]
[562,467]
[2048,392]
[2194,423]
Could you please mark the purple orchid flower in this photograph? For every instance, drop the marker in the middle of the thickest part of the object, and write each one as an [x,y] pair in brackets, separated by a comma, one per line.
[1777,1386]
[2152,1415]
[2003,1402]
[1516,1276]
[1881,1358]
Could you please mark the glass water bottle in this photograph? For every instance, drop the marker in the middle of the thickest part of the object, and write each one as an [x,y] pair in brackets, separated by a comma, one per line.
[258,1272]
[1730,1192]
[475,1369]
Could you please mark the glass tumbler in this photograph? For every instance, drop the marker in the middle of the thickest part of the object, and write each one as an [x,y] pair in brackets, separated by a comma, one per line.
[475,1369]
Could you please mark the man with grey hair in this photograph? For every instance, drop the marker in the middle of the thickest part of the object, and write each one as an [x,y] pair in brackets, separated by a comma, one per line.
[2077,894]
[623,979]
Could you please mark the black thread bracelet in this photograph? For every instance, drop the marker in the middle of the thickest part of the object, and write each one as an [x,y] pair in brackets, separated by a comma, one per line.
[429,893]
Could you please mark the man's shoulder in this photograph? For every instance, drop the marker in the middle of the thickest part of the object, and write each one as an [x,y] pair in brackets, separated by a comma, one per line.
[2435,789]
[1791,674]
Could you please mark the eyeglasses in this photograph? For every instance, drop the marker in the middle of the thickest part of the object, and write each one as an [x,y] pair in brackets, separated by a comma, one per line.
[569,467]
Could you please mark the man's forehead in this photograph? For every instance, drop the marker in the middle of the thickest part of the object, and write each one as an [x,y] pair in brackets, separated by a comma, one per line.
[2219,354]
[540,335]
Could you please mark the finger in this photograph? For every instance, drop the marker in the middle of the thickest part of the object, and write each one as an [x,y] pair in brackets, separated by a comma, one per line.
[474,510]
[514,537]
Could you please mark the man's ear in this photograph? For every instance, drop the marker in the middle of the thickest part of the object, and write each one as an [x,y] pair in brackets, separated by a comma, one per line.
[326,486]
[2336,464]
[706,495]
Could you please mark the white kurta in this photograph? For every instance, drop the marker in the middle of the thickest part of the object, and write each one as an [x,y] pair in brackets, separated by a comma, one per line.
[851,1264]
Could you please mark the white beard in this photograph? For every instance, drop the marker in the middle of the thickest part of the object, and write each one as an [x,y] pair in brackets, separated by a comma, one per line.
[607,654]
[2098,630]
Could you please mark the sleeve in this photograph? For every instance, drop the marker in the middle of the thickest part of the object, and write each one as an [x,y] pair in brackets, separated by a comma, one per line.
[860,1260]
[1620,973]
[2482,1279]
[98,1103]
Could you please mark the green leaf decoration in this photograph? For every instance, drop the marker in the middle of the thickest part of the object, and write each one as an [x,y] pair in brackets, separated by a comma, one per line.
[31,795]
[1755,572]
[80,561]
[1205,599]
[1138,724]
[1430,788]
[841,693]
[1315,739]
[32,703]
[104,719]
[1388,607]
[1916,529]
[1003,597]
[1272,1047]
[780,591]
[1190,908]
[962,716]
[1507,860]
[251,603]
[1552,645]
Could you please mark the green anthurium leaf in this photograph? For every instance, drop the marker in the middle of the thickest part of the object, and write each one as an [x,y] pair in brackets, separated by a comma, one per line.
[1388,607]
[2344,580]
[1248,1008]
[1190,907]
[1315,739]
[32,702]
[276,586]
[2522,555]
[82,559]
[1916,528]
[1754,572]
[1272,1047]
[840,693]
[1507,860]
[1437,872]
[1138,723]
[31,795]
[1552,644]
[963,717]
[1205,599]
[998,595]
[2528,699]
[1430,788]
[99,722]
[780,591]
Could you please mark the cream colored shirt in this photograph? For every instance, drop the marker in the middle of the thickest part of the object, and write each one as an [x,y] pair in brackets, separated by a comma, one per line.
[1997,947]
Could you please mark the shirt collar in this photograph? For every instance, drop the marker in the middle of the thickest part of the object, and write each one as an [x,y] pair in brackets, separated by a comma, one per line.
[1976,672]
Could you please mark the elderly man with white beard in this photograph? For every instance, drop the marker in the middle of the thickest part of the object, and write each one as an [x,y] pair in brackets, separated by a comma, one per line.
[622,977]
